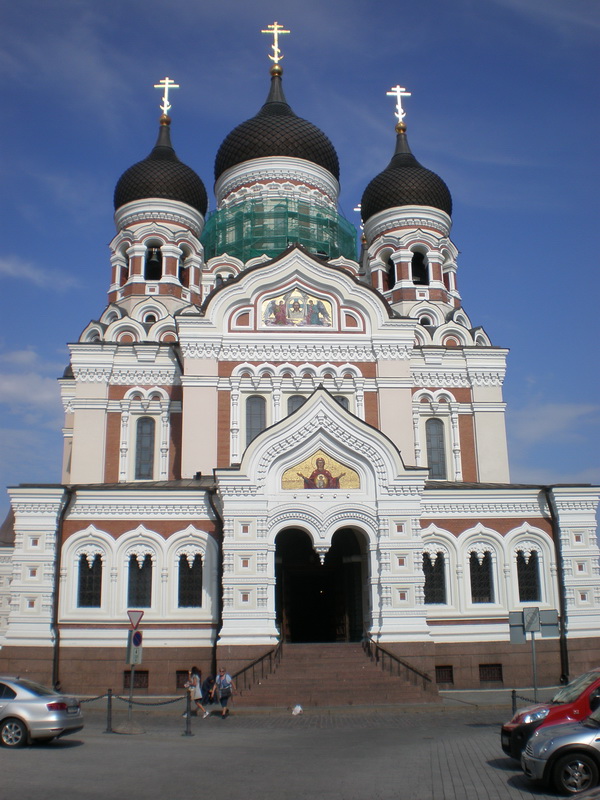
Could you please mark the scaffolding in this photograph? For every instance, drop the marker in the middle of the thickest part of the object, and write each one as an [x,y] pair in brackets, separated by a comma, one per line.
[258,227]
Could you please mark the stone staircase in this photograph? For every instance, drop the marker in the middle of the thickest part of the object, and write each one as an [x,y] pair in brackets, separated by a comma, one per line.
[338,674]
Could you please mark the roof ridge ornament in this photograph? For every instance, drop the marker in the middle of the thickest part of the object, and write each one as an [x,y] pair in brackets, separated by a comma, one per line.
[166,84]
[276,30]
[399,92]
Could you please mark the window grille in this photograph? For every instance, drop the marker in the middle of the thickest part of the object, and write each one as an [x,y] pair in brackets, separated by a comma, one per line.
[190,582]
[181,678]
[140,679]
[436,449]
[490,673]
[89,594]
[444,674]
[482,584]
[139,590]
[528,575]
[294,403]
[256,417]
[144,449]
[435,578]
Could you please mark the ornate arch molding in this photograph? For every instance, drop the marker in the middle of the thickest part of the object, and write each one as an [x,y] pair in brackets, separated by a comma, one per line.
[480,549]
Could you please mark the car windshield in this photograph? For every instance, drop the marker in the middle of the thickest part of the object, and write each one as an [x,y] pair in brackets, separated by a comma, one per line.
[593,721]
[572,690]
[36,688]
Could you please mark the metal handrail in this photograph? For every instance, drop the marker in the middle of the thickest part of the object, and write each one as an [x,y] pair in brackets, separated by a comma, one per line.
[402,668]
[273,657]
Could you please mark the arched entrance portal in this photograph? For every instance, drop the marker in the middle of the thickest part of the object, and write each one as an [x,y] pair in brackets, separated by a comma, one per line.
[320,602]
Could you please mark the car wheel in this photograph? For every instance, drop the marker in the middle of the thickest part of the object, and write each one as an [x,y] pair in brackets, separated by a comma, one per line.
[13,733]
[574,773]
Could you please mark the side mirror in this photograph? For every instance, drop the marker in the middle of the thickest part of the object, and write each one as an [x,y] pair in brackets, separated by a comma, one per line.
[595,700]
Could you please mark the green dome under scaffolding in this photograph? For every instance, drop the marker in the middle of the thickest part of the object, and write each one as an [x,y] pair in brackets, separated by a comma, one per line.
[256,227]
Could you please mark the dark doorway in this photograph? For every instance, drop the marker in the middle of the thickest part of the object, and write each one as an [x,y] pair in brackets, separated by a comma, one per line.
[319,602]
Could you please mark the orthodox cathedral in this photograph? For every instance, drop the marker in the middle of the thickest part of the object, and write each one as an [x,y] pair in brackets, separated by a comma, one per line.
[275,435]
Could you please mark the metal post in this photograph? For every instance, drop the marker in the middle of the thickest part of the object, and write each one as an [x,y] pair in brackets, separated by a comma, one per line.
[188,715]
[109,695]
[534,666]
[513,696]
[130,704]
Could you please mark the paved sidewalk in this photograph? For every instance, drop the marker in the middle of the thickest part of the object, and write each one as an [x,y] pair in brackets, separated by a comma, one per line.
[323,754]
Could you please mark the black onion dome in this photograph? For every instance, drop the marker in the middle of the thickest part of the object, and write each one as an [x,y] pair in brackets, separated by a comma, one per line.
[161,174]
[404,182]
[276,131]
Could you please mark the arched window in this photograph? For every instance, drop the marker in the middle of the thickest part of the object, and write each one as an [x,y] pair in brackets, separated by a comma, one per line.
[139,587]
[435,578]
[420,270]
[153,264]
[343,401]
[528,574]
[144,449]
[294,403]
[482,581]
[89,588]
[190,582]
[256,417]
[391,274]
[436,449]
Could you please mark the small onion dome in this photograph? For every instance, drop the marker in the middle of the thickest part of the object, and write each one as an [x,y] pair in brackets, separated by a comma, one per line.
[404,182]
[276,131]
[161,174]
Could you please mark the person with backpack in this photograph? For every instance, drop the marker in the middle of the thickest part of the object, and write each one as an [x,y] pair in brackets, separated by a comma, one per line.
[225,688]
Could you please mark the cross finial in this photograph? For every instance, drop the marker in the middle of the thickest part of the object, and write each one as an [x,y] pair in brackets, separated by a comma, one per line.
[276,30]
[399,92]
[166,84]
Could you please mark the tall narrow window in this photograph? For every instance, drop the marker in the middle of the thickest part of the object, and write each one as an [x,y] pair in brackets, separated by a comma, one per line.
[528,574]
[391,274]
[435,578]
[420,270]
[482,583]
[144,449]
[190,582]
[294,402]
[89,589]
[436,450]
[256,416]
[139,588]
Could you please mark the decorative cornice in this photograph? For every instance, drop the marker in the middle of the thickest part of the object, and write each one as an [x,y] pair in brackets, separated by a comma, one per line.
[407,217]
[285,351]
[489,509]
[151,209]
[273,170]
[139,510]
[144,377]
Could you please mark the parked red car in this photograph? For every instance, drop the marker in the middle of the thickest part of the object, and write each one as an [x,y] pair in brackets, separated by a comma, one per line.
[573,703]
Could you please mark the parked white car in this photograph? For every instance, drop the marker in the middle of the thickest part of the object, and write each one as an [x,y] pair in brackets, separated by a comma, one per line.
[30,711]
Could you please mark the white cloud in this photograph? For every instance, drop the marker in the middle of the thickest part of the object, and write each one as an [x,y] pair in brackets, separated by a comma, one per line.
[19,269]
[559,422]
[30,392]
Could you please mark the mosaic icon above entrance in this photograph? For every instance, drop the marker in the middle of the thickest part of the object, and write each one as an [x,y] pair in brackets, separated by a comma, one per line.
[320,471]
[296,308]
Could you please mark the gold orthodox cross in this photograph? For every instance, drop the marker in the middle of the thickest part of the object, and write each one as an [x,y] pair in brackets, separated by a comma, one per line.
[276,30]
[166,84]
[399,92]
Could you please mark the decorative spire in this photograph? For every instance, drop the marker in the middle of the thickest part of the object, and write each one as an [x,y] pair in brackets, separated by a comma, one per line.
[399,92]
[276,30]
[166,84]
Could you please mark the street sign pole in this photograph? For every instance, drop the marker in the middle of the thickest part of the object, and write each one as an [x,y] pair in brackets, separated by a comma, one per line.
[133,653]
[531,624]
[534,666]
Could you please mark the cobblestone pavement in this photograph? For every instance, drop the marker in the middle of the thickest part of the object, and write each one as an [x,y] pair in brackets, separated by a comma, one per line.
[363,754]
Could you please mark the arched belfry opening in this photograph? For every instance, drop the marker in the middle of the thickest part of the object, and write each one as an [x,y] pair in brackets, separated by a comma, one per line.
[320,602]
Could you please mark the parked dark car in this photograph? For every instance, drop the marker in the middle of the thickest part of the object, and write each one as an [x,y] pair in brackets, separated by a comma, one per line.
[30,711]
[565,757]
[573,703]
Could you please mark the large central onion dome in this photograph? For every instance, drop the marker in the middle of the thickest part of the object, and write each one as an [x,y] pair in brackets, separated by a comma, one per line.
[276,131]
[161,175]
[405,182]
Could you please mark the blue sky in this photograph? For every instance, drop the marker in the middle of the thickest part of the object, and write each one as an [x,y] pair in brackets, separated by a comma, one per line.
[504,107]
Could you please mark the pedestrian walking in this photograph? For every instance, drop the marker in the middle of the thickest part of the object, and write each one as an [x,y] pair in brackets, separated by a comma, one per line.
[194,687]
[225,688]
